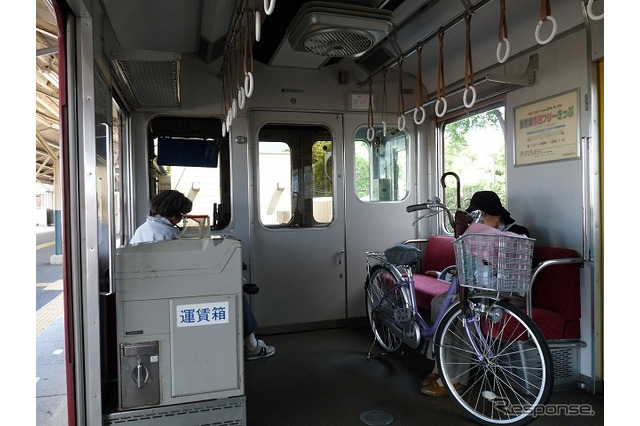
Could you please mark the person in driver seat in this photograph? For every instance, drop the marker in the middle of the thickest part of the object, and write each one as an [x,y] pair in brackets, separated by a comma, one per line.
[167,210]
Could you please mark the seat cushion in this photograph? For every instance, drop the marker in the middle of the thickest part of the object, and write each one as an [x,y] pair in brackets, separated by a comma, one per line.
[550,323]
[427,288]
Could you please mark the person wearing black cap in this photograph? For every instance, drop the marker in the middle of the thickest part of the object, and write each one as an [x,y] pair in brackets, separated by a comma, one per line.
[493,213]
[484,207]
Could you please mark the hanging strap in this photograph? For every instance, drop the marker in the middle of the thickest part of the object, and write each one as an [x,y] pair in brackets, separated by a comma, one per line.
[545,9]
[223,104]
[229,79]
[249,37]
[545,15]
[400,89]
[247,84]
[238,71]
[441,87]
[232,64]
[246,37]
[370,113]
[384,95]
[468,66]
[419,79]
[502,26]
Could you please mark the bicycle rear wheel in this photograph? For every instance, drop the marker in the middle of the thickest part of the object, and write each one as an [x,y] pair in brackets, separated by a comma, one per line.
[514,372]
[383,295]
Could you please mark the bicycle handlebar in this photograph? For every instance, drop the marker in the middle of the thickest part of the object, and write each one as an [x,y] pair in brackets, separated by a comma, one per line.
[435,206]
[416,207]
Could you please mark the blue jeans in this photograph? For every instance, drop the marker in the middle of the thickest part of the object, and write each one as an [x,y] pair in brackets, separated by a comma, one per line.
[249,320]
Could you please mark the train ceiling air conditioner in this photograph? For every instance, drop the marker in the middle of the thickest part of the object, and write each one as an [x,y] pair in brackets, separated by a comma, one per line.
[153,77]
[338,30]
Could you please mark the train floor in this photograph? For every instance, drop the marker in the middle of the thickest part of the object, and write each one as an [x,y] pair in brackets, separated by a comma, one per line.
[324,378]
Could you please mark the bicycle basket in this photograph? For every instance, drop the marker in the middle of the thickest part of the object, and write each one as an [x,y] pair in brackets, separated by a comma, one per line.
[494,262]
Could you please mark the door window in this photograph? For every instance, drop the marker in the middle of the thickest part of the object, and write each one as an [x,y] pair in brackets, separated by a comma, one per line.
[295,176]
[381,165]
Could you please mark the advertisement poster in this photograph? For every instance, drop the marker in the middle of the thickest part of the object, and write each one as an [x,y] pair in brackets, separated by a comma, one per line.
[547,130]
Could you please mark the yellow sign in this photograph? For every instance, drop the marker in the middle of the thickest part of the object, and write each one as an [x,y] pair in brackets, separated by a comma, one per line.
[547,130]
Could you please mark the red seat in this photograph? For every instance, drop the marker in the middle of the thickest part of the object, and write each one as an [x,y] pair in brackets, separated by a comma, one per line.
[555,293]
[556,290]
[438,255]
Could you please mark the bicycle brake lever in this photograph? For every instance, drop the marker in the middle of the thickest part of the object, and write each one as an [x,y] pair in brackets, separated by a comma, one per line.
[424,216]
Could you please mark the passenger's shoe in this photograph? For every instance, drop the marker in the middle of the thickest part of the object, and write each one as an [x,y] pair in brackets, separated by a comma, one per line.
[260,351]
[432,377]
[432,388]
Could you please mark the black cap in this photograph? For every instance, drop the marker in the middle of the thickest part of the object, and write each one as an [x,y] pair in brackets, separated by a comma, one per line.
[489,202]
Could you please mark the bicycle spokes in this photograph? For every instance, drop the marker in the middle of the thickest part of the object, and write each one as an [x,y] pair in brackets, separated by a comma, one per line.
[501,358]
[384,296]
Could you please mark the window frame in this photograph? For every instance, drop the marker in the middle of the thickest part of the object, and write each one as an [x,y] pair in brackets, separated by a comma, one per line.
[466,193]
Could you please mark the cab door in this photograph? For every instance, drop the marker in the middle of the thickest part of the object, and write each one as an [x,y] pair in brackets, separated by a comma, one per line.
[298,228]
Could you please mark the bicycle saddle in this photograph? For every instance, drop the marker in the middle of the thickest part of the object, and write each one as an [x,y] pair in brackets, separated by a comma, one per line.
[403,254]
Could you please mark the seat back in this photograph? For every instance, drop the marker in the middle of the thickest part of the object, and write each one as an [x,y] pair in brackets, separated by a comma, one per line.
[438,254]
[557,287]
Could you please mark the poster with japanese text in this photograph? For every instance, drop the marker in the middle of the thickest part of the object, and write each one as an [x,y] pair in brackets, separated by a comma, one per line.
[547,130]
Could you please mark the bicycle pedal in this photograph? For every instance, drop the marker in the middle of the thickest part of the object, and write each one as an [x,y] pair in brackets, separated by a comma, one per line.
[403,315]
[487,394]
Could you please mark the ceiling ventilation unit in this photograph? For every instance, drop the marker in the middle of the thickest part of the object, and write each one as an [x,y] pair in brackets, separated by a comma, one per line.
[153,77]
[337,29]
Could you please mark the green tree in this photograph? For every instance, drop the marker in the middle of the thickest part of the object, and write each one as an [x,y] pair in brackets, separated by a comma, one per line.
[322,163]
[462,158]
[362,171]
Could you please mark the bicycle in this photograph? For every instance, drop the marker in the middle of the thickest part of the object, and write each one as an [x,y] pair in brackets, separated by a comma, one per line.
[481,339]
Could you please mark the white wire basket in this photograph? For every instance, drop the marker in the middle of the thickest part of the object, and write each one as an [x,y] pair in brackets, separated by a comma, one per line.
[494,262]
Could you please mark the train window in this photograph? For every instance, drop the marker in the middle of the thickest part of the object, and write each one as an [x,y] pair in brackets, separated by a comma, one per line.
[119,170]
[474,148]
[191,156]
[295,176]
[380,165]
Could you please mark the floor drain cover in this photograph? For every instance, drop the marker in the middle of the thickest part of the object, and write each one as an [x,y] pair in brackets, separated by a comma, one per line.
[376,418]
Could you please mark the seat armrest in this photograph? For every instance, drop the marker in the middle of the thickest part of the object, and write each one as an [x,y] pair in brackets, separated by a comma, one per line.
[544,265]
[552,262]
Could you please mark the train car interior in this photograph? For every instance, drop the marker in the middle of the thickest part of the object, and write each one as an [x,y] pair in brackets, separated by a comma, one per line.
[302,131]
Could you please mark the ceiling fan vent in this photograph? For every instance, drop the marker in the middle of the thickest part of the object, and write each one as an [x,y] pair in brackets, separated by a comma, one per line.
[338,30]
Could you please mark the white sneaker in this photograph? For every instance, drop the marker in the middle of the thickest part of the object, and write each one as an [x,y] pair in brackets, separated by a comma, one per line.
[260,351]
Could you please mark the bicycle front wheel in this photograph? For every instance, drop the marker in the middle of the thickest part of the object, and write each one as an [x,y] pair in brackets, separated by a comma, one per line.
[498,369]
[383,295]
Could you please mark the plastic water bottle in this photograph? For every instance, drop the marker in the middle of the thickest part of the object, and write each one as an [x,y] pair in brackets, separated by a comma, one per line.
[482,275]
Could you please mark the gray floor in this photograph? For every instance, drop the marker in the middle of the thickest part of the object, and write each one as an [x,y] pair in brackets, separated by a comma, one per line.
[318,378]
[324,378]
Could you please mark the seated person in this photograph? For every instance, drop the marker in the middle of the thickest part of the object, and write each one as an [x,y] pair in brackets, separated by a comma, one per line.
[167,210]
[491,213]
